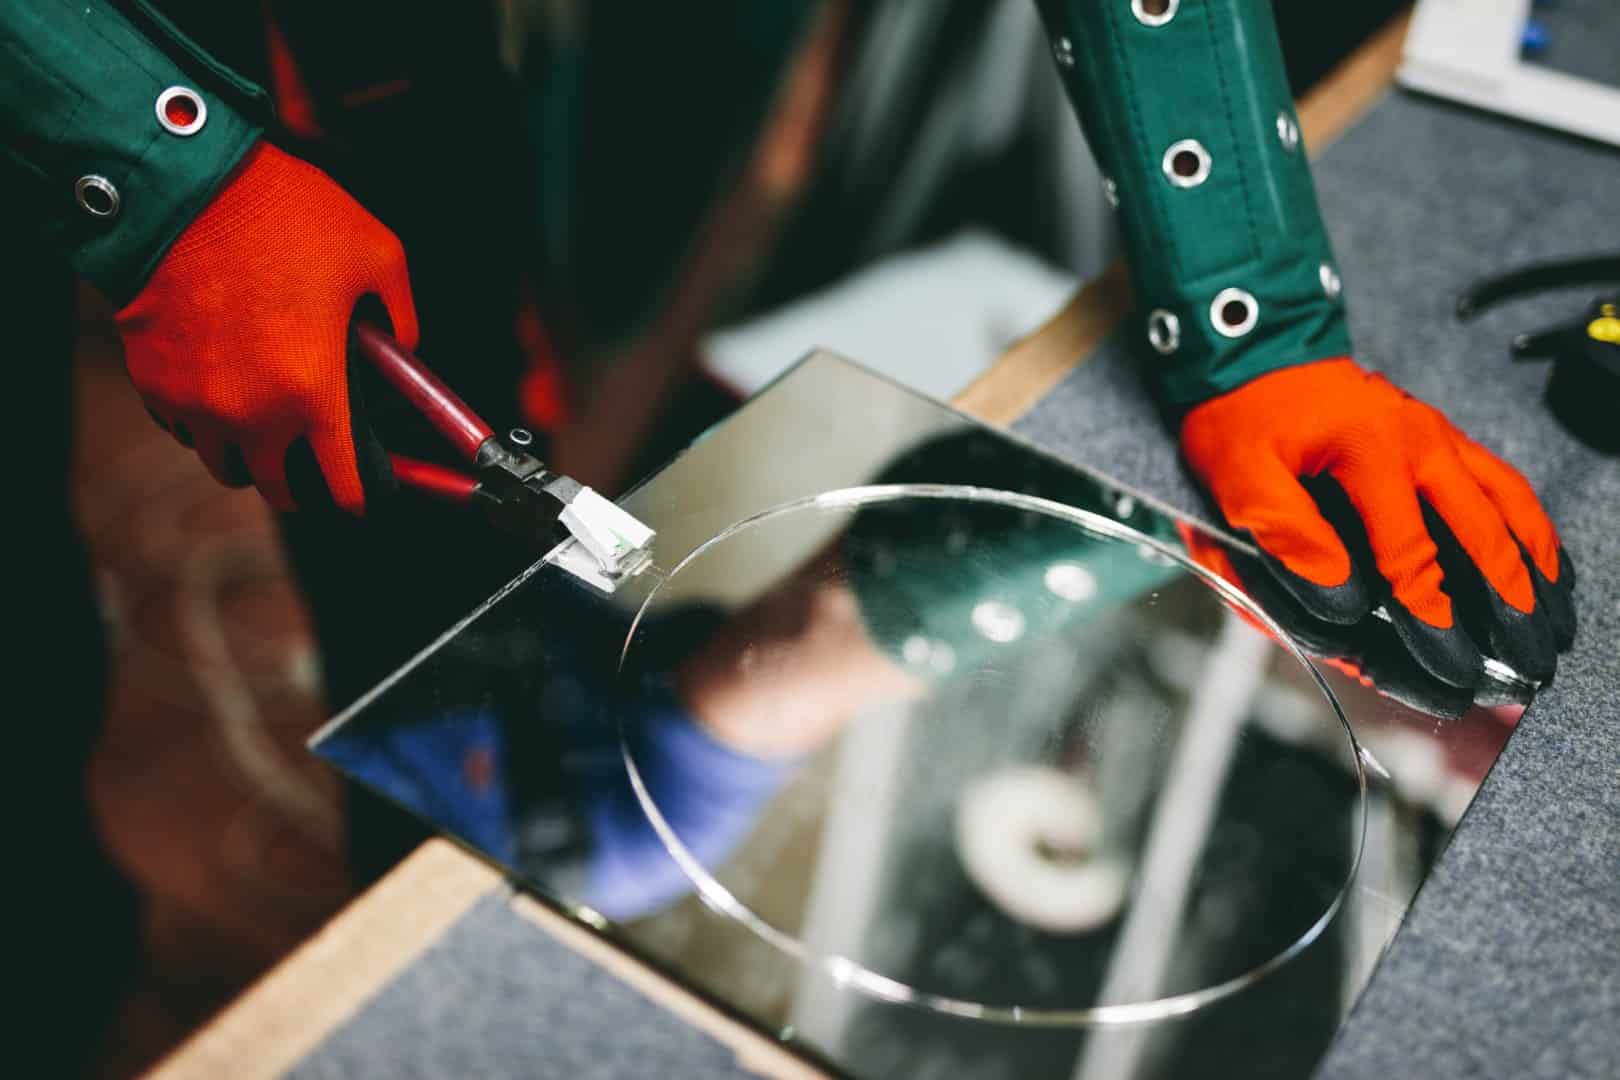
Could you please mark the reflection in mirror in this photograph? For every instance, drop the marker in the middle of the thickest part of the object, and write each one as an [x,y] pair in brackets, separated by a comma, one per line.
[1079,786]
[997,773]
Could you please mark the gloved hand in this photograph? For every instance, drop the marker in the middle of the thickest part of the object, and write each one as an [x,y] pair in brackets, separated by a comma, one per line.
[1370,652]
[238,343]
[1359,494]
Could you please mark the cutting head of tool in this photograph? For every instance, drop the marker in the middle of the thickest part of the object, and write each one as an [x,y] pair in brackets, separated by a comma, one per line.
[520,495]
[516,490]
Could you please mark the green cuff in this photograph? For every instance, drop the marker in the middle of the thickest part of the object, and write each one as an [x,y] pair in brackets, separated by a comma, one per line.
[1294,324]
[1187,107]
[79,85]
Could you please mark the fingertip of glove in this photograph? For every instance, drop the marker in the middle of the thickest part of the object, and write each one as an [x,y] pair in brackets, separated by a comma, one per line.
[1344,604]
[1557,599]
[1524,640]
[1566,569]
[312,492]
[1447,653]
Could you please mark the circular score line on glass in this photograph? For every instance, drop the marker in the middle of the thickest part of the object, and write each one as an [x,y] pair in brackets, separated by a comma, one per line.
[849,973]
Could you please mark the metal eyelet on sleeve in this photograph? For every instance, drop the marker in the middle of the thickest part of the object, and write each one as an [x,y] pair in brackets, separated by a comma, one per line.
[1331,285]
[1111,192]
[1164,331]
[1287,131]
[1234,312]
[1063,52]
[1154,12]
[97,196]
[1186,163]
[181,110]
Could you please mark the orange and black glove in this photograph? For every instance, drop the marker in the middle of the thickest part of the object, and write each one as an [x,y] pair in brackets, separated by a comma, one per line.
[239,340]
[1358,494]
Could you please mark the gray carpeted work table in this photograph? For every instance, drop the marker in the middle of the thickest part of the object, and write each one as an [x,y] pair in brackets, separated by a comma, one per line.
[1509,964]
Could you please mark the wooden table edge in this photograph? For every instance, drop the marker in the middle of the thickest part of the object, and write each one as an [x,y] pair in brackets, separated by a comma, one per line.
[303,999]
[299,1003]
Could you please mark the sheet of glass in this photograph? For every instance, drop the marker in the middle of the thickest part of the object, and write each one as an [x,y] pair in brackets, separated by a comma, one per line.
[932,755]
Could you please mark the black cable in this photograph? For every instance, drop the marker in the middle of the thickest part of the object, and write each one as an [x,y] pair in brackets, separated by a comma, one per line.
[1585,270]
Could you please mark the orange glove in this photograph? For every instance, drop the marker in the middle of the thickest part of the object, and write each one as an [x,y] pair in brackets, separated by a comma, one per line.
[239,341]
[1359,494]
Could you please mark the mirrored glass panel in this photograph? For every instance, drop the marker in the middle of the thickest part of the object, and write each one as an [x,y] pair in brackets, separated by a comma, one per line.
[932,755]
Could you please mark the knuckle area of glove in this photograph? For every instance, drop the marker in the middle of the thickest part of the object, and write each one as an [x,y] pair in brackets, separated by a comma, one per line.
[1374,444]
[260,404]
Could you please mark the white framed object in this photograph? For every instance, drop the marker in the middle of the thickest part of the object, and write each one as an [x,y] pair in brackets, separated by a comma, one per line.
[1469,51]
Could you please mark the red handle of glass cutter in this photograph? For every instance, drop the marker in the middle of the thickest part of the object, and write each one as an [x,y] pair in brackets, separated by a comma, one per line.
[451,416]
[451,485]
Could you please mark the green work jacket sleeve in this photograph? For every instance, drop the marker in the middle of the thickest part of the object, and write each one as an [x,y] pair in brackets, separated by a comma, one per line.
[85,159]
[1186,106]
